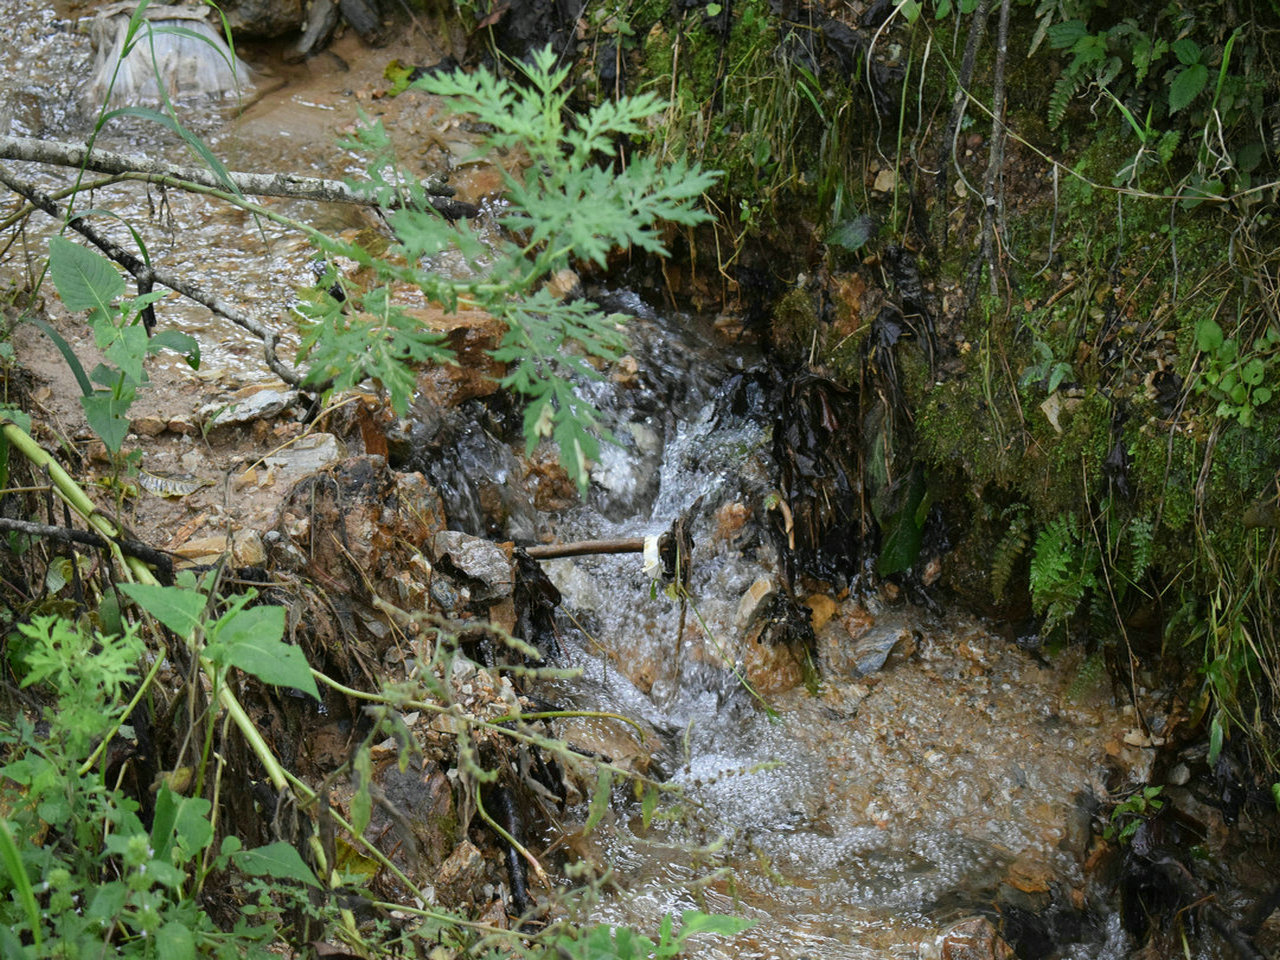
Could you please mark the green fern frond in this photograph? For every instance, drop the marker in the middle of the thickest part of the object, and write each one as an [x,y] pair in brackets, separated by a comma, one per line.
[1051,559]
[1063,91]
[1011,546]
[1141,539]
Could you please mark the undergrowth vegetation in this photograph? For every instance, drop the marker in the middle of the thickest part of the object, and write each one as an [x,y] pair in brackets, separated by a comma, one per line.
[145,809]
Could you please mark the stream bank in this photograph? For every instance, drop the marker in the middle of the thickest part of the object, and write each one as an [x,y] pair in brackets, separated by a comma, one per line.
[904,795]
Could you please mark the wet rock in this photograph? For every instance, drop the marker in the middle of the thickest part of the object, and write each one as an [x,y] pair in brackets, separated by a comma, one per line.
[753,603]
[773,667]
[482,567]
[248,406]
[611,740]
[188,66]
[470,334]
[417,822]
[305,456]
[264,19]
[358,523]
[972,939]
[822,608]
[460,875]
[839,638]
[872,649]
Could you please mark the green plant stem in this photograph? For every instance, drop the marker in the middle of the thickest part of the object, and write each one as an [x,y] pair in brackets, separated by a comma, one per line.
[562,714]
[515,844]
[79,501]
[22,890]
[493,725]
[443,918]
[143,687]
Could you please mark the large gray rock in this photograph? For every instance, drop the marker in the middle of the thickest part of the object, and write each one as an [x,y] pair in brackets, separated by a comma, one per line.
[264,19]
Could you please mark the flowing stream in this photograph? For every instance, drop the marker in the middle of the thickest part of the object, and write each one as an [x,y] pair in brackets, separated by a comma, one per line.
[861,818]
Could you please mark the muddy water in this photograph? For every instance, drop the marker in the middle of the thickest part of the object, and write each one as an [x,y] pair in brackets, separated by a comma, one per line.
[865,817]
[290,120]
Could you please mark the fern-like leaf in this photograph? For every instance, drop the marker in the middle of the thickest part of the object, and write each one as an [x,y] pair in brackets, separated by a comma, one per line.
[1011,546]
[1141,539]
[1051,560]
[1063,91]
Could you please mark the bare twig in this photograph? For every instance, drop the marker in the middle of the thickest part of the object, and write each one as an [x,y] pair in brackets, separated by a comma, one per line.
[585,548]
[257,184]
[142,272]
[959,100]
[133,548]
[991,202]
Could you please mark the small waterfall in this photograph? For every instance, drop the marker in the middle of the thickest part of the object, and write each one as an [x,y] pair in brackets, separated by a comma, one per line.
[189,57]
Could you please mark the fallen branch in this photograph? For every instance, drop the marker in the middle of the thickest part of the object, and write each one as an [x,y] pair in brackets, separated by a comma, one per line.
[131,548]
[256,184]
[145,274]
[585,548]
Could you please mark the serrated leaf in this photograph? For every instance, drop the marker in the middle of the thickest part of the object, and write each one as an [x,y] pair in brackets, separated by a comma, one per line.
[179,610]
[174,941]
[126,347]
[279,860]
[251,640]
[1187,51]
[85,280]
[105,414]
[1186,86]
[599,799]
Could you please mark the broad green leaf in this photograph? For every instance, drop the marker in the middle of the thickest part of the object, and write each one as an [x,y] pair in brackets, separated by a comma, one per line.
[179,342]
[650,802]
[1186,86]
[1187,51]
[1253,372]
[599,799]
[184,819]
[1216,735]
[85,280]
[279,860]
[108,900]
[251,640]
[106,415]
[175,942]
[179,610]
[1208,336]
[126,347]
[852,234]
[695,921]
